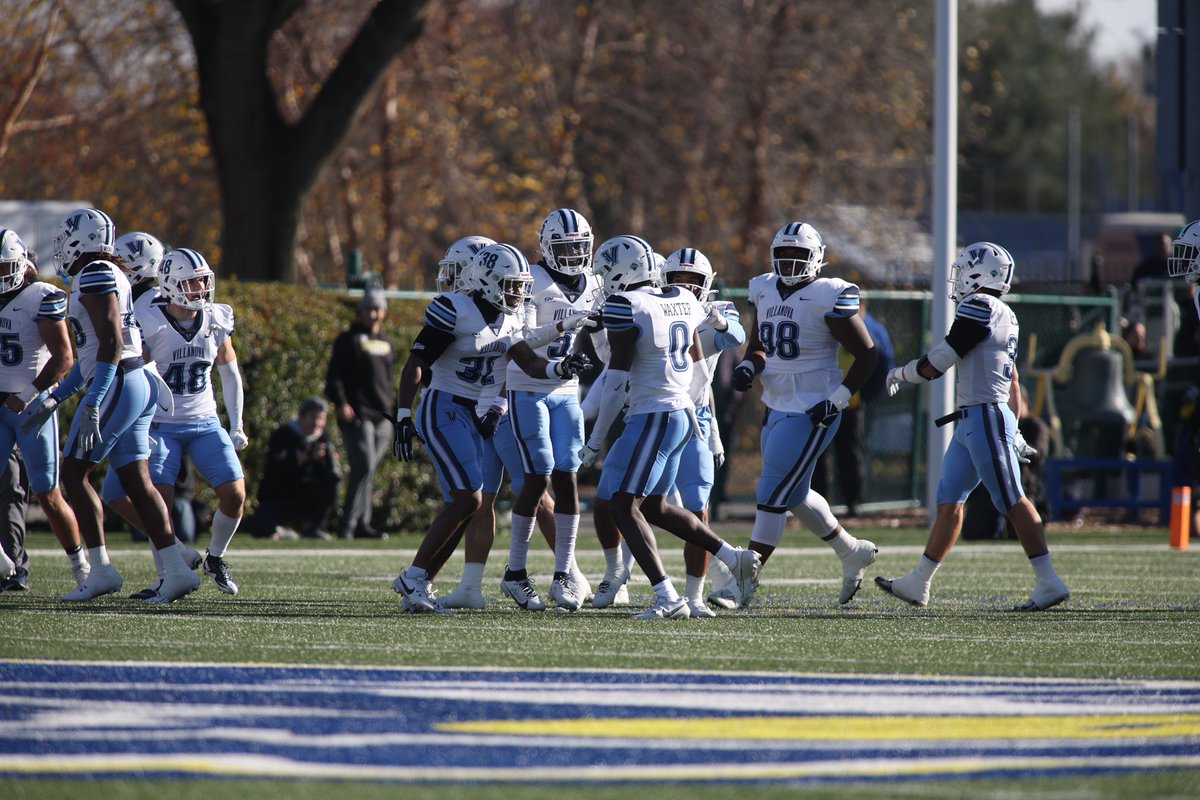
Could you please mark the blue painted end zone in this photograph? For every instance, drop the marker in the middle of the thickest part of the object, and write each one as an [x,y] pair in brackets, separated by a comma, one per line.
[120,720]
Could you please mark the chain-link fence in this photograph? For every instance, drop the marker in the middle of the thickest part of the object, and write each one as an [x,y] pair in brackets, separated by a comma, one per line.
[896,426]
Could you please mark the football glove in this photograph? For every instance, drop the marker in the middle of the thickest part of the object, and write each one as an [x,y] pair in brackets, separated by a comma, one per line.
[823,414]
[894,380]
[239,438]
[588,455]
[572,365]
[487,424]
[37,412]
[1024,451]
[743,376]
[406,433]
[715,319]
[580,319]
[89,427]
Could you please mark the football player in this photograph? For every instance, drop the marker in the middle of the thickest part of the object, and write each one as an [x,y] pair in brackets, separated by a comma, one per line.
[544,415]
[113,420]
[654,342]
[35,354]
[466,338]
[1185,259]
[986,447]
[140,255]
[185,334]
[799,321]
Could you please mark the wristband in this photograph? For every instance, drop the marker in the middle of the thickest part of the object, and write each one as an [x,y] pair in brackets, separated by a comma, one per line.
[26,395]
[403,413]
[840,397]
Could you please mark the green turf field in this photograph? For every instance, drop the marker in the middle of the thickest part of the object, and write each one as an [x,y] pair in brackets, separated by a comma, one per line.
[1133,614]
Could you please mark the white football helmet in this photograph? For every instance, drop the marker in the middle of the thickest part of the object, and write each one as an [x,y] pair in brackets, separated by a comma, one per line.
[500,273]
[88,230]
[982,265]
[452,269]
[797,253]
[690,268]
[14,261]
[142,254]
[186,279]
[625,260]
[660,262]
[566,242]
[1185,252]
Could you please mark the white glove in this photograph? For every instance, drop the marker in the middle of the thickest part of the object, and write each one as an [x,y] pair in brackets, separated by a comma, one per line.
[89,427]
[715,319]
[36,413]
[716,446]
[894,380]
[580,319]
[239,438]
[1024,451]
[588,455]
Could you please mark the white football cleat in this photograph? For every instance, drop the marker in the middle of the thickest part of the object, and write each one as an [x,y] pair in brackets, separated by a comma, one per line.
[723,593]
[699,610]
[677,609]
[854,564]
[622,598]
[101,580]
[416,593]
[609,591]
[523,594]
[1046,595]
[174,587]
[191,557]
[563,593]
[465,596]
[908,588]
[745,575]
[80,573]
[7,567]
[580,584]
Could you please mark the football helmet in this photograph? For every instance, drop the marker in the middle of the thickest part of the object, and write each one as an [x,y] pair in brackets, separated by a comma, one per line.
[797,253]
[452,269]
[14,261]
[186,279]
[566,242]
[982,265]
[688,267]
[1185,252]
[500,273]
[142,254]
[625,260]
[88,230]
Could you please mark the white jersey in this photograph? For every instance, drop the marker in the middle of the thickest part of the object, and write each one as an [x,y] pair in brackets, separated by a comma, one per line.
[23,352]
[705,369]
[549,302]
[802,354]
[141,306]
[468,367]
[985,373]
[96,279]
[185,355]
[661,375]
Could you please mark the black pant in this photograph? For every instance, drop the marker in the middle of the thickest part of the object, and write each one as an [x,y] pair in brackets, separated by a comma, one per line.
[307,510]
[14,499]
[849,447]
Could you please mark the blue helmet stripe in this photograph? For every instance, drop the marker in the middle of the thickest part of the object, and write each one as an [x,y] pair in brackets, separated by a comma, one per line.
[109,228]
[568,220]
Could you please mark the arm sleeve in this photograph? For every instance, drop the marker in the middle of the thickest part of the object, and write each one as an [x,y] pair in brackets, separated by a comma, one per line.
[965,333]
[231,390]
[101,380]
[612,400]
[69,385]
[430,343]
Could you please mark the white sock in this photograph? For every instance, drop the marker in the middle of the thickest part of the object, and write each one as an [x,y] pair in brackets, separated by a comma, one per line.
[223,529]
[158,562]
[768,528]
[472,576]
[841,542]
[566,529]
[926,568]
[1043,570]
[173,561]
[665,591]
[695,588]
[612,562]
[98,555]
[416,574]
[518,547]
[727,555]
[627,557]
[78,558]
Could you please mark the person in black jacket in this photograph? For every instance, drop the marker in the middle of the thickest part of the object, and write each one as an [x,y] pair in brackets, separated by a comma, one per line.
[360,383]
[299,484]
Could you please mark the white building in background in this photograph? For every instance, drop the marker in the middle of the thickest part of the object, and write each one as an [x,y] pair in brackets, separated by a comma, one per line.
[36,222]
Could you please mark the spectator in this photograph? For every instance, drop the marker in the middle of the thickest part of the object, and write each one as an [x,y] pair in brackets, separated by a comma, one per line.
[14,499]
[299,484]
[849,443]
[1134,334]
[1154,266]
[359,384]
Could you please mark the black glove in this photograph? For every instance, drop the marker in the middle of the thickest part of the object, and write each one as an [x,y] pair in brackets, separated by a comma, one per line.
[406,433]
[572,365]
[743,376]
[487,424]
[823,414]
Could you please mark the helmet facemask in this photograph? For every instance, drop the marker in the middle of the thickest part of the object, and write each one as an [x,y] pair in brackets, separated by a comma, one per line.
[14,261]
[1185,252]
[795,265]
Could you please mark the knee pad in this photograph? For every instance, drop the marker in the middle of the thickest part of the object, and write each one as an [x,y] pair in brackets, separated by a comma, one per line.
[815,515]
[768,527]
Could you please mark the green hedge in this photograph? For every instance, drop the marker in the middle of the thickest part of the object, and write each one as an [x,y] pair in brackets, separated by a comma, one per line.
[284,339]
